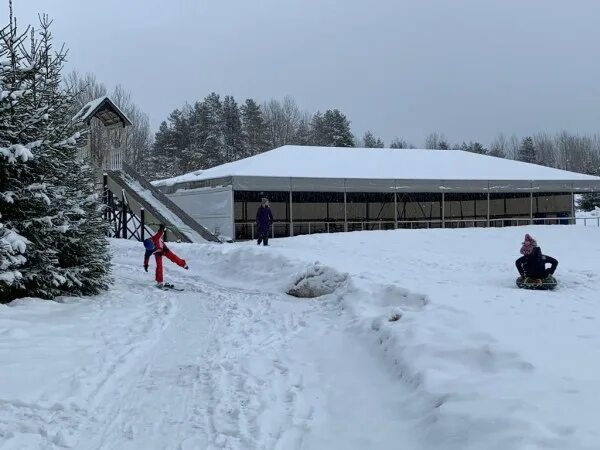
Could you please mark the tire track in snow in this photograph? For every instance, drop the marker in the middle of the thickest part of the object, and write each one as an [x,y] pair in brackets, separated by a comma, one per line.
[56,424]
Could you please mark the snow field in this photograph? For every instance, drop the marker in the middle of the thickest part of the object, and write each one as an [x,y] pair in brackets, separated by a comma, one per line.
[507,368]
[420,341]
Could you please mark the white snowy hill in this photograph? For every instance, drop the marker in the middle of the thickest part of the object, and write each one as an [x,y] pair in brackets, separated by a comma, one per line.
[423,343]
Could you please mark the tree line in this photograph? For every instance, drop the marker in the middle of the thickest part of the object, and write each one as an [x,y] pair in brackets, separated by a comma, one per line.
[563,150]
[218,130]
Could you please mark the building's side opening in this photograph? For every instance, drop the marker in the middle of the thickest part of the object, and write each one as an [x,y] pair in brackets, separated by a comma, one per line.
[329,212]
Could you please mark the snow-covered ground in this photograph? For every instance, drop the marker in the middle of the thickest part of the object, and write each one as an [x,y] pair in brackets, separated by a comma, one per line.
[589,218]
[422,343]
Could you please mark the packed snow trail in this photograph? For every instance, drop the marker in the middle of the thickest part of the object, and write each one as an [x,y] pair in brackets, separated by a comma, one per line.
[213,367]
[238,369]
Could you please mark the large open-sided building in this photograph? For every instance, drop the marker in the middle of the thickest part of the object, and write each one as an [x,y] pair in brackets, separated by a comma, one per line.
[325,189]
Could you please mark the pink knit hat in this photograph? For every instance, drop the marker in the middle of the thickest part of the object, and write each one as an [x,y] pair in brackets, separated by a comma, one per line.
[528,245]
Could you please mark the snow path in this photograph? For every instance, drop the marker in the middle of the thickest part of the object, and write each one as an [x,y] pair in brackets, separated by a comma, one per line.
[238,369]
[59,360]
[212,367]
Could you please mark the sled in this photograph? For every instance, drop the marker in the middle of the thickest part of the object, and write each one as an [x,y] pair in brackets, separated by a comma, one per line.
[546,284]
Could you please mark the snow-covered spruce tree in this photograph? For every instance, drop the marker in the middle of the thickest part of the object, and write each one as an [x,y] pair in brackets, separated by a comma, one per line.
[254,128]
[13,158]
[233,140]
[474,147]
[79,232]
[527,151]
[370,141]
[24,203]
[591,200]
[331,129]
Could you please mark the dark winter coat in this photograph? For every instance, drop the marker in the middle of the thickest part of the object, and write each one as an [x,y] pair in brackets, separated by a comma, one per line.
[534,265]
[264,218]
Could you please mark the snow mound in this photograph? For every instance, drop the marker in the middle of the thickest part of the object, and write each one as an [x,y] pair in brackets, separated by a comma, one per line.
[392,295]
[316,280]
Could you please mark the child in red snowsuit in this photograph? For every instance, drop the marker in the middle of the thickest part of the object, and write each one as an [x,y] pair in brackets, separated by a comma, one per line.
[156,246]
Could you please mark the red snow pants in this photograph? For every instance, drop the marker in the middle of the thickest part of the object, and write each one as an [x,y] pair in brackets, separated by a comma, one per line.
[159,266]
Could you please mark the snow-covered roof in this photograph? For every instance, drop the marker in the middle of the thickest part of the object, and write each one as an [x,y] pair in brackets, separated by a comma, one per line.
[103,108]
[380,164]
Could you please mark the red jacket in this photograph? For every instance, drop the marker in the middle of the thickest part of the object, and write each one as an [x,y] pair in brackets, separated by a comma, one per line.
[158,240]
[159,246]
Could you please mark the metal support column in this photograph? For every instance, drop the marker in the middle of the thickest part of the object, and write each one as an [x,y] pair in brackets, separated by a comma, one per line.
[488,209]
[291,215]
[443,210]
[345,209]
[573,219]
[395,210]
[531,208]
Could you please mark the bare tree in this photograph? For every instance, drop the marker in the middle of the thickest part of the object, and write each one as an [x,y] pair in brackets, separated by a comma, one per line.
[545,149]
[400,143]
[86,87]
[283,119]
[436,141]
[499,146]
[512,147]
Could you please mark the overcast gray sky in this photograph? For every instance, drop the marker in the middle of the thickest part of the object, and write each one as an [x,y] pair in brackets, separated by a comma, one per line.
[467,68]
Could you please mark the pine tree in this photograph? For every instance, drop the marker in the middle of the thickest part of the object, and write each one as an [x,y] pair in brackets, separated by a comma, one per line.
[303,132]
[14,157]
[474,147]
[233,140]
[26,204]
[317,130]
[208,132]
[48,204]
[370,141]
[80,237]
[591,200]
[527,151]
[332,129]
[254,129]
[165,158]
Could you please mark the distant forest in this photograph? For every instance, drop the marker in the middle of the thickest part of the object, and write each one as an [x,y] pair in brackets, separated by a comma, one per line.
[217,130]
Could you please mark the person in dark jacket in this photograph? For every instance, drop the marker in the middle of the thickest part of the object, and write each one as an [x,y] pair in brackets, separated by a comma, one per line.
[533,263]
[264,220]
